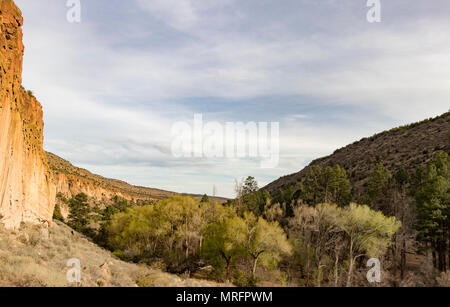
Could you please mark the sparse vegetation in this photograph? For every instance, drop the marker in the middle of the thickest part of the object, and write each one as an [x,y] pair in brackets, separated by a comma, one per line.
[37,256]
[308,232]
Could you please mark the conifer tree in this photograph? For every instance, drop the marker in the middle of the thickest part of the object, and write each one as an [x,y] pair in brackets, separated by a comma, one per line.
[433,209]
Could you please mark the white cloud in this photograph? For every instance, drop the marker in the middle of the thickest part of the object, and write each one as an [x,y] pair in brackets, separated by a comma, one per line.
[187,15]
[110,100]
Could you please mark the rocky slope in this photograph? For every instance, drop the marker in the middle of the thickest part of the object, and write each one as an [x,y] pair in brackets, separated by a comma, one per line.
[37,257]
[410,147]
[27,192]
[71,180]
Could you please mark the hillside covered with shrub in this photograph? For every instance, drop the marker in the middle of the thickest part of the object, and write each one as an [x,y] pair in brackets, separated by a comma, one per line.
[407,147]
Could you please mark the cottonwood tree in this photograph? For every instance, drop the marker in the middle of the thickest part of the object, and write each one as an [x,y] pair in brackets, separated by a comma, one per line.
[400,207]
[329,237]
[300,232]
[274,212]
[171,229]
[317,231]
[223,243]
[265,242]
[368,233]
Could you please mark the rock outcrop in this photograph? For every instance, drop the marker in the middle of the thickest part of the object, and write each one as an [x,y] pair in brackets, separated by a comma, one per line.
[27,191]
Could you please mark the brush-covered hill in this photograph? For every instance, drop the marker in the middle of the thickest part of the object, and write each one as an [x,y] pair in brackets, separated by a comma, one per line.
[409,146]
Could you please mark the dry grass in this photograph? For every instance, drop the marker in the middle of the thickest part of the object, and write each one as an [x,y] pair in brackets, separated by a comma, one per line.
[444,279]
[37,257]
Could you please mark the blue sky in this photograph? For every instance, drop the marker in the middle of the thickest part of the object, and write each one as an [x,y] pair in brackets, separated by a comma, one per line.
[113,85]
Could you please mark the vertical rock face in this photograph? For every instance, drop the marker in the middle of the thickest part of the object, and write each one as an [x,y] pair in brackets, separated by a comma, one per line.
[27,191]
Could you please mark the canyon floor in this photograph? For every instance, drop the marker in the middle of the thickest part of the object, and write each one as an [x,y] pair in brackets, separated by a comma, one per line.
[36,256]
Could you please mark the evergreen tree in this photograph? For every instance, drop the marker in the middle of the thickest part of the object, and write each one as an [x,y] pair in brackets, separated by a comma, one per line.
[57,215]
[108,212]
[326,185]
[119,203]
[79,213]
[205,199]
[252,199]
[378,187]
[338,188]
[250,186]
[433,209]
[313,189]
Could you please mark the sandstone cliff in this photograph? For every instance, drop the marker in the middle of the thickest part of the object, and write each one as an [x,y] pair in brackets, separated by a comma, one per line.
[27,192]
[30,178]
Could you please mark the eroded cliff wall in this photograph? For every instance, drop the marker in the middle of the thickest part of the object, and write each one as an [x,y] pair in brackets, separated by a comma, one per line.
[27,191]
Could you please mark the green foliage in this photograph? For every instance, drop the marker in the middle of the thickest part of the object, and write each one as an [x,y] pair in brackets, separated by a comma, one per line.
[62,198]
[320,185]
[327,238]
[241,279]
[250,186]
[108,212]
[79,214]
[433,207]
[401,177]
[265,242]
[378,186]
[313,192]
[252,199]
[326,185]
[245,237]
[57,213]
[223,244]
[120,204]
[205,199]
[369,232]
[171,229]
[181,230]
[286,199]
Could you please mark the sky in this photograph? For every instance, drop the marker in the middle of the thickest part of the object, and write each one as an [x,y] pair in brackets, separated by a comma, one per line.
[113,85]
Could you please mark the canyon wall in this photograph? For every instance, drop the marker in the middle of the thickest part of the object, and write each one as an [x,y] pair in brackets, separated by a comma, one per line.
[71,180]
[27,191]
